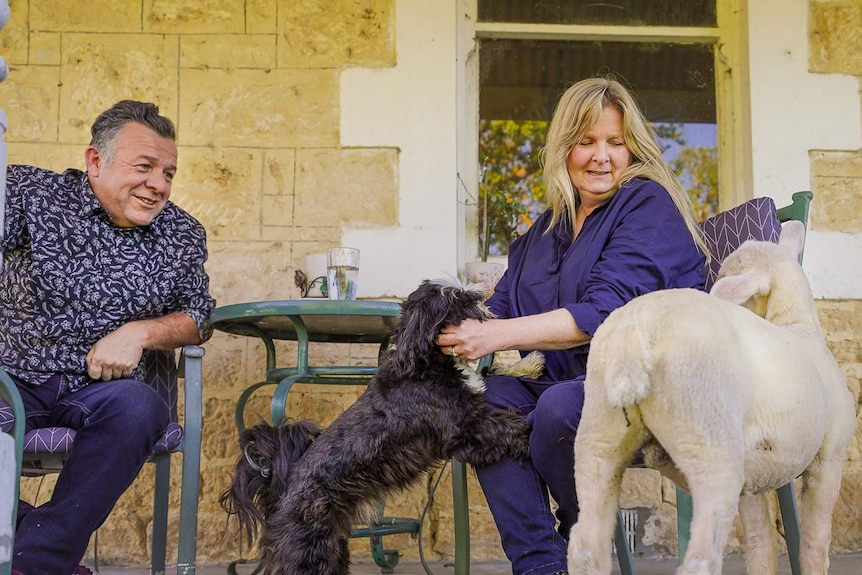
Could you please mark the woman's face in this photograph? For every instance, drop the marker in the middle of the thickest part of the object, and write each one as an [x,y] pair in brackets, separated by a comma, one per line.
[596,162]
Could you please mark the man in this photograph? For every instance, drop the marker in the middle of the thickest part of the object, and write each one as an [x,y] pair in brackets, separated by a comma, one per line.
[98,267]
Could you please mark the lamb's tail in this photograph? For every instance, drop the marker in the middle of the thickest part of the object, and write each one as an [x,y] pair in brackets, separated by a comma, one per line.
[622,355]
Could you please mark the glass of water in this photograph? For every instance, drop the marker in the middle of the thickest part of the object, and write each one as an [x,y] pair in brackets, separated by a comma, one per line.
[342,272]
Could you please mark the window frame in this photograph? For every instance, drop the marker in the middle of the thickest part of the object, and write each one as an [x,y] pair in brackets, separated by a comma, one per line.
[733,113]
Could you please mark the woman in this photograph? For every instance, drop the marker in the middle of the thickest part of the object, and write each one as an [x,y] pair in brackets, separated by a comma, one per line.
[619,225]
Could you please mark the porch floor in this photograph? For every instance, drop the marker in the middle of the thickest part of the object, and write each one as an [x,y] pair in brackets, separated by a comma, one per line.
[844,564]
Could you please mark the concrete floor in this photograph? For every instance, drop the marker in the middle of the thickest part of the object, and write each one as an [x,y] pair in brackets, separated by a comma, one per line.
[850,564]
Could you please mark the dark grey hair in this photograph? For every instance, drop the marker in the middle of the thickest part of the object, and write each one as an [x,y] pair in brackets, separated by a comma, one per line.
[112,120]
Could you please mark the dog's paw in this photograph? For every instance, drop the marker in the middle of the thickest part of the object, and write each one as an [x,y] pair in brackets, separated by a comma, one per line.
[516,436]
[497,436]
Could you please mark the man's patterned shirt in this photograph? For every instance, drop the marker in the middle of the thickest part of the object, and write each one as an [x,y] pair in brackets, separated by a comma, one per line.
[70,276]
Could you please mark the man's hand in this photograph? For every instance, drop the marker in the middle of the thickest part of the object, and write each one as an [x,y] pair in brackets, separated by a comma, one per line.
[117,354]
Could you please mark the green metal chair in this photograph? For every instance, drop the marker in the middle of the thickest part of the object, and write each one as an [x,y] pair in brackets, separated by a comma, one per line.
[723,233]
[43,451]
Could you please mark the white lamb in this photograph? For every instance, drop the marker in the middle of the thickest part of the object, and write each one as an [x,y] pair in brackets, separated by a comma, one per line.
[723,401]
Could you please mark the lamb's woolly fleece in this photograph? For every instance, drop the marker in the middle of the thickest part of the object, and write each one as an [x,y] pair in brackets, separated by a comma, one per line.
[728,393]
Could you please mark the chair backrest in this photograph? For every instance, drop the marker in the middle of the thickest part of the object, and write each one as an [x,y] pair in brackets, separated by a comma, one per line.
[756,219]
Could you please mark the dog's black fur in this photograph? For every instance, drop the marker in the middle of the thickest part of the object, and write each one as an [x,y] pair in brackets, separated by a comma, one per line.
[307,488]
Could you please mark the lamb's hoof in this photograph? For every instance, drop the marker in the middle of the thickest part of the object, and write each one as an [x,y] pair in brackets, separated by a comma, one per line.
[695,567]
[583,562]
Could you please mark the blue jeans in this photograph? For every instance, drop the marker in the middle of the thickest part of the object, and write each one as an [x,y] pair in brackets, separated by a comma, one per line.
[518,491]
[117,424]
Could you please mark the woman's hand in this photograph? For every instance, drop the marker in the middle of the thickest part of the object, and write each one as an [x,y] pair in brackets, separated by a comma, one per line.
[470,340]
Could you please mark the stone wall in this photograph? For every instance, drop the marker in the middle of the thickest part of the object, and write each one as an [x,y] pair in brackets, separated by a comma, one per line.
[255,90]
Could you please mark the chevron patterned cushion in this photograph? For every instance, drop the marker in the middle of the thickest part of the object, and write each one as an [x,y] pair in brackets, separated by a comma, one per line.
[755,219]
[160,371]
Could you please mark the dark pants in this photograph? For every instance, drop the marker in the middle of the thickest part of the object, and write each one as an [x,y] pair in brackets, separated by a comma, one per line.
[518,492]
[117,424]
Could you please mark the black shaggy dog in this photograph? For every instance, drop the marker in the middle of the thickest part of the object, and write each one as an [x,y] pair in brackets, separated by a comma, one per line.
[307,488]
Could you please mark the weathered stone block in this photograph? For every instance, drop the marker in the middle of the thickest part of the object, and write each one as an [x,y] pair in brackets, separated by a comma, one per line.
[45,49]
[92,16]
[484,537]
[315,238]
[835,164]
[278,173]
[336,34]
[348,186]
[251,271]
[641,487]
[227,51]
[30,97]
[14,36]
[660,532]
[835,37]
[266,109]
[277,210]
[222,189]
[838,206]
[260,17]
[194,16]
[846,519]
[100,69]
[49,156]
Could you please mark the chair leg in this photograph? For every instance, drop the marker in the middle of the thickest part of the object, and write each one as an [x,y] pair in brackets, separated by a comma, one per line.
[160,513]
[187,549]
[193,428]
[624,554]
[462,518]
[684,511]
[792,532]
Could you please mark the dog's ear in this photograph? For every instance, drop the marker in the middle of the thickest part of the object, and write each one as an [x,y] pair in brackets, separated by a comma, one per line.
[423,314]
[263,469]
[291,441]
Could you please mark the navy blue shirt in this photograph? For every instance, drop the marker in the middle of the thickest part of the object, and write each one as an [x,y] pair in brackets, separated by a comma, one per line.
[70,276]
[635,243]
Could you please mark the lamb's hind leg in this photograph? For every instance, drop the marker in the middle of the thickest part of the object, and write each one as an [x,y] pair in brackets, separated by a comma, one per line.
[821,484]
[761,549]
[606,442]
[715,481]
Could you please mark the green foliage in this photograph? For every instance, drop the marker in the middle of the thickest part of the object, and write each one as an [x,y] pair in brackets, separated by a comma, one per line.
[511,190]
[697,169]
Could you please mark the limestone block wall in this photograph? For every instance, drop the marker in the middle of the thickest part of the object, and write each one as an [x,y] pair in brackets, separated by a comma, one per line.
[256,89]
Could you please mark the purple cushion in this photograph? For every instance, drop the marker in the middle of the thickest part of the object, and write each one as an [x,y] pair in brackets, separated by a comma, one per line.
[160,371]
[755,219]
[49,440]
[7,418]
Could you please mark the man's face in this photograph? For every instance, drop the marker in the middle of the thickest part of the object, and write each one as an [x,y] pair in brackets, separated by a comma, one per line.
[133,183]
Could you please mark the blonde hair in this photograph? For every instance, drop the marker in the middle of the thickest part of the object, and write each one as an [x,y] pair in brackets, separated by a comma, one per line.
[577,111]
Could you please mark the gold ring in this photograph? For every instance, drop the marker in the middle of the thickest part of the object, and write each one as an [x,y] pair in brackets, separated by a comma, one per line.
[452,351]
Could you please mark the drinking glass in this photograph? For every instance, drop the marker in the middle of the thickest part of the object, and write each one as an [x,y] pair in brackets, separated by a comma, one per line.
[342,273]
